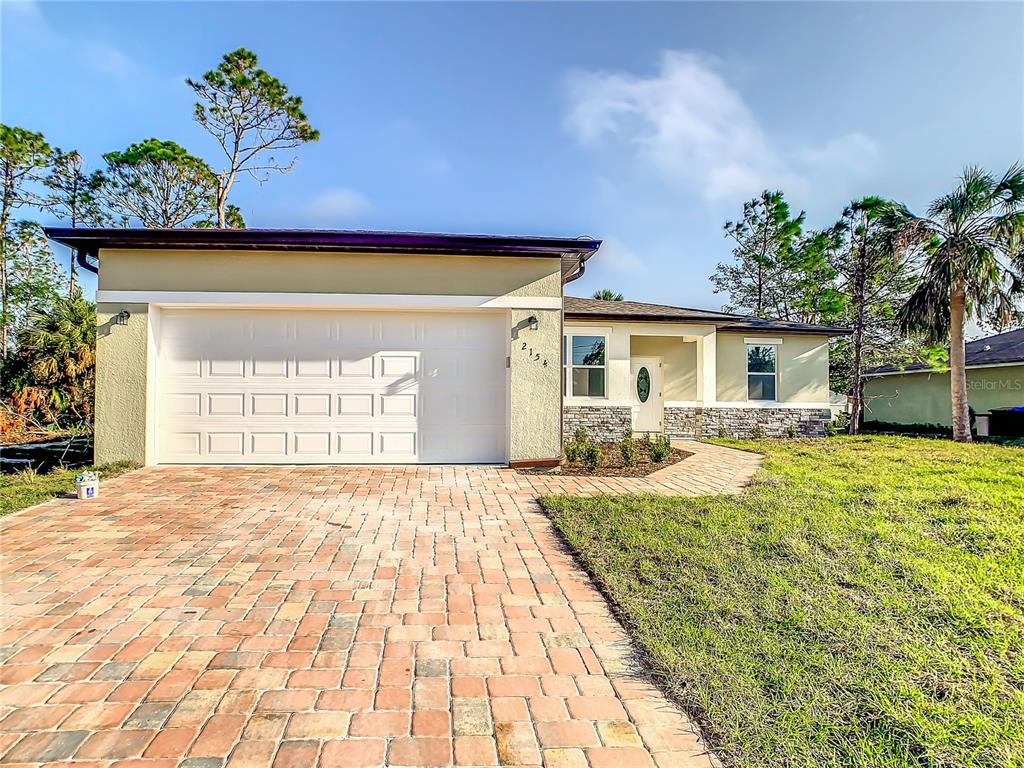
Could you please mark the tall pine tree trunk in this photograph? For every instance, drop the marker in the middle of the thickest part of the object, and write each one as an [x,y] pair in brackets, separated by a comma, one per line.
[957,367]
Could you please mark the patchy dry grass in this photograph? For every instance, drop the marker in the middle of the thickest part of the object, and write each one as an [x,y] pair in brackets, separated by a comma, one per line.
[23,489]
[862,604]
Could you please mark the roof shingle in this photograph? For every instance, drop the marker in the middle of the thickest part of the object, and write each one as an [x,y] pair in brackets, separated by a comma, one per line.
[999,349]
[638,311]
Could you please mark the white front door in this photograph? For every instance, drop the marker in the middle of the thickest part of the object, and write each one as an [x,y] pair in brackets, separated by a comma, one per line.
[331,387]
[648,410]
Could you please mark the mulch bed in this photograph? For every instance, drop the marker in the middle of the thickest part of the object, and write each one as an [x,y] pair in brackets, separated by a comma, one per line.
[611,464]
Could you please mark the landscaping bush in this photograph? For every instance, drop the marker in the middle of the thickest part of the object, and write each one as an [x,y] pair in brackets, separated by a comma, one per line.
[591,455]
[575,447]
[627,447]
[660,448]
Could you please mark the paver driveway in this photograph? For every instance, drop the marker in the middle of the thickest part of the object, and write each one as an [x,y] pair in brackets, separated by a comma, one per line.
[285,616]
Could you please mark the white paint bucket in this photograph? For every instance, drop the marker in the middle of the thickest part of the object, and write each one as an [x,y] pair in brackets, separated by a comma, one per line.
[87,485]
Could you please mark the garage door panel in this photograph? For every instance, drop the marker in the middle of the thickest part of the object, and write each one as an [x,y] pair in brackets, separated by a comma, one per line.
[268,404]
[357,404]
[225,404]
[397,365]
[312,443]
[313,368]
[312,404]
[269,368]
[356,368]
[224,443]
[397,444]
[226,368]
[355,446]
[383,387]
[268,444]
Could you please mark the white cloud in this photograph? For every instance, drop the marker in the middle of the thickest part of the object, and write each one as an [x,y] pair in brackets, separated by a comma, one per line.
[689,125]
[28,21]
[336,204]
[617,257]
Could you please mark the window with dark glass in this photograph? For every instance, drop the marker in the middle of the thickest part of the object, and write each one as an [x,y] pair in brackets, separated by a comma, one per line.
[585,360]
[761,372]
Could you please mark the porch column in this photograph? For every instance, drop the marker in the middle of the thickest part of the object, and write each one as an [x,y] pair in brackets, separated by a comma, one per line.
[707,353]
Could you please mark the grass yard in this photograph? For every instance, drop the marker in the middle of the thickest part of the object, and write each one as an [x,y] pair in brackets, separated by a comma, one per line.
[23,489]
[862,604]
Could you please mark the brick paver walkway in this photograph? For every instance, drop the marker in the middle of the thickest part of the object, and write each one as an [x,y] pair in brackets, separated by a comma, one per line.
[296,616]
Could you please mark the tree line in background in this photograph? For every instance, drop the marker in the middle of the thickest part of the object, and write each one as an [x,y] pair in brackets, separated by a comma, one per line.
[905,284]
[47,328]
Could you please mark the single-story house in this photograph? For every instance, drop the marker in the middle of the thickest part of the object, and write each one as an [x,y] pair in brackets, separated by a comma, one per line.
[919,394]
[297,346]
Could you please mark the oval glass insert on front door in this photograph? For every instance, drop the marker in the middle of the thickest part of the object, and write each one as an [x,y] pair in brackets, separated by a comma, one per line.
[643,384]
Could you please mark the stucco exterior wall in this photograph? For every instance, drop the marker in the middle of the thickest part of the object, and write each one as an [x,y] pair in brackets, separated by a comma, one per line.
[126,358]
[536,388]
[319,272]
[802,363]
[122,373]
[679,359]
[923,398]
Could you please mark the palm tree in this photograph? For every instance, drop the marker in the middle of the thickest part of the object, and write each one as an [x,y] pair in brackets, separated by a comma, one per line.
[59,348]
[972,242]
[607,294]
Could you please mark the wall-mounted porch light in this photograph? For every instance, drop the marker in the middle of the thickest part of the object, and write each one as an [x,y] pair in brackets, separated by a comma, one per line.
[533,322]
[121,318]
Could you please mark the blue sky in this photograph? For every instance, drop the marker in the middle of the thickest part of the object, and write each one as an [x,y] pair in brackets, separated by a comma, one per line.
[647,125]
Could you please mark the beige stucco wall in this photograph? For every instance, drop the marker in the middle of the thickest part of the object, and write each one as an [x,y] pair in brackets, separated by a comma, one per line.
[122,369]
[802,366]
[125,361]
[316,272]
[923,398]
[679,360]
[536,407]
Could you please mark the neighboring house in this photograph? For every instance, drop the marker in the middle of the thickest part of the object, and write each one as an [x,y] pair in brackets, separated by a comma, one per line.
[298,346]
[919,394]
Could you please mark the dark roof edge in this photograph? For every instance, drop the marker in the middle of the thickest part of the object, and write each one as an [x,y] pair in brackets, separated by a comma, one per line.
[92,239]
[888,370]
[719,323]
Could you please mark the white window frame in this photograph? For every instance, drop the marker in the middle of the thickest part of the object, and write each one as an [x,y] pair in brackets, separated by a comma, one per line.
[774,374]
[567,365]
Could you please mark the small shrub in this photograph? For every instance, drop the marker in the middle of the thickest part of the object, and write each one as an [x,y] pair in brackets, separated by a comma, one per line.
[839,425]
[627,447]
[660,448]
[790,431]
[575,447]
[573,451]
[591,455]
[758,433]
[721,431]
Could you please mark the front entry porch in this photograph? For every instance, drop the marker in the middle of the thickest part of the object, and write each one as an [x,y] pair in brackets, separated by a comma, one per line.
[690,381]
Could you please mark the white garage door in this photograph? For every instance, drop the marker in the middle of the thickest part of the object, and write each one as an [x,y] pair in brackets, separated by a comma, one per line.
[293,387]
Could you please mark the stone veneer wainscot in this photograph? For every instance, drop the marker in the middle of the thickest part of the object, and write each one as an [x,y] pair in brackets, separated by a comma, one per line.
[608,423]
[743,422]
[602,422]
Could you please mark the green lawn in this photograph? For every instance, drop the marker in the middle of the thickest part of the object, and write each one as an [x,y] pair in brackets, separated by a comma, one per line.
[862,604]
[23,489]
